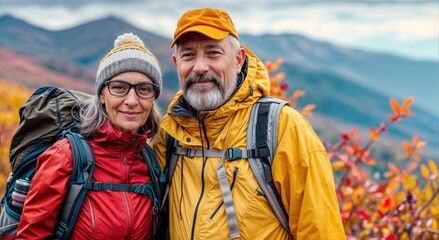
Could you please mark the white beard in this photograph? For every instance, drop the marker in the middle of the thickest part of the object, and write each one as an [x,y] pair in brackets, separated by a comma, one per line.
[203,99]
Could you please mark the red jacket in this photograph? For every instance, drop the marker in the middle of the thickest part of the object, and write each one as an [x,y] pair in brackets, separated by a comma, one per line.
[104,214]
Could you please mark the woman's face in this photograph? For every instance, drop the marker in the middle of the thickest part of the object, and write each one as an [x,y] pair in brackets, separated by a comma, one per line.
[129,112]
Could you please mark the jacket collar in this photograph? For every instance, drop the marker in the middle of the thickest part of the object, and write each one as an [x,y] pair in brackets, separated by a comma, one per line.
[116,139]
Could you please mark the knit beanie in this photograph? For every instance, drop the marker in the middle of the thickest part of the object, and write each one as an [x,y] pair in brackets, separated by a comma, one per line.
[129,54]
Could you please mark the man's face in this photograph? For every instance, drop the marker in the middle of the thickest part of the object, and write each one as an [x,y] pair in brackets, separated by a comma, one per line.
[207,70]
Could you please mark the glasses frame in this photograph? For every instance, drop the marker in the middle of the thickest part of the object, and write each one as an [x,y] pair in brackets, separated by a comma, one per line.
[155,86]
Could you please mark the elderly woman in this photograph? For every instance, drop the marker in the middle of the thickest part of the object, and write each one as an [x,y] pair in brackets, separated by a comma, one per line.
[118,121]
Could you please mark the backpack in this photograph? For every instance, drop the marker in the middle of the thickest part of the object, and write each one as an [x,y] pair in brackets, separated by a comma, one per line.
[47,116]
[261,146]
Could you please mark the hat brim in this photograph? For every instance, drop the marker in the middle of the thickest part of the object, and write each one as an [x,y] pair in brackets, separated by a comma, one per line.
[208,31]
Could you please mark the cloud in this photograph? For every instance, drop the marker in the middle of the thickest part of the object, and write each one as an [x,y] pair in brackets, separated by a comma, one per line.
[351,23]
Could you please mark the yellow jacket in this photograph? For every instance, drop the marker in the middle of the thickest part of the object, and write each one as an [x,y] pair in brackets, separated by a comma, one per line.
[301,171]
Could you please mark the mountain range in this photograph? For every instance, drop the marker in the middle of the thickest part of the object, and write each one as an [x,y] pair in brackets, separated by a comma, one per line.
[350,87]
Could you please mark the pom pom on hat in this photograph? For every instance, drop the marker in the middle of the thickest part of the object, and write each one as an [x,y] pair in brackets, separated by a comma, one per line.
[127,38]
[129,54]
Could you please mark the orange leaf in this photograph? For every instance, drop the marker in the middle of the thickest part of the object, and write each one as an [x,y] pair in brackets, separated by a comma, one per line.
[269,65]
[407,148]
[280,76]
[275,91]
[292,102]
[338,165]
[389,175]
[424,171]
[297,94]
[347,206]
[412,167]
[433,166]
[371,161]
[275,80]
[393,168]
[415,140]
[356,147]
[417,143]
[279,62]
[395,106]
[374,135]
[307,110]
[406,105]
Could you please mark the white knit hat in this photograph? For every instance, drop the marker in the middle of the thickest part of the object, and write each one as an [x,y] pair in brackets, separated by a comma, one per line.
[129,54]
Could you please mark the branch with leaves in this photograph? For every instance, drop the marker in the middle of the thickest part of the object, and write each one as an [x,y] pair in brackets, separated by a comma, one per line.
[404,205]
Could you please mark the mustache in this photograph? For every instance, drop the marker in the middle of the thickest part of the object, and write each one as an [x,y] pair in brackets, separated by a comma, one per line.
[195,78]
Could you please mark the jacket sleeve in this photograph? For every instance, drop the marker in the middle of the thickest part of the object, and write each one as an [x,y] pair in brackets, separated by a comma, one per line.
[303,175]
[46,193]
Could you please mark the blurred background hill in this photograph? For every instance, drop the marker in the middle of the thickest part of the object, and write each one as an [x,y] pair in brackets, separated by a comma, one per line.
[350,87]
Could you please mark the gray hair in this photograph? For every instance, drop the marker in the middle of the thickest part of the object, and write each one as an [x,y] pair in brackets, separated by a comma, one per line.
[92,116]
[235,43]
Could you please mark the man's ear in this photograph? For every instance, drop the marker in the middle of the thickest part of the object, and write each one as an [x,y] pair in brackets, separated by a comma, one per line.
[174,59]
[240,57]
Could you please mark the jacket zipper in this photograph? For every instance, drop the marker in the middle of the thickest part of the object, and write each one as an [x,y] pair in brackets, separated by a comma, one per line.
[125,194]
[235,172]
[203,127]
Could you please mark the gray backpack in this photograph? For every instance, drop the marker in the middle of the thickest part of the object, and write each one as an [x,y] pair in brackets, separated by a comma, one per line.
[261,147]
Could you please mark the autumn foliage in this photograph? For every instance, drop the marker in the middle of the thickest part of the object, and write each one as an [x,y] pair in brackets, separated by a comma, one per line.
[13,96]
[403,205]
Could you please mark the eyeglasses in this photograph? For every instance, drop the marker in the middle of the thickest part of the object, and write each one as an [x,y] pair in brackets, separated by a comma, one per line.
[121,88]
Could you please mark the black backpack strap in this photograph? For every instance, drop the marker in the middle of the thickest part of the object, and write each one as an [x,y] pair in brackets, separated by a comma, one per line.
[158,181]
[143,189]
[171,157]
[171,163]
[83,167]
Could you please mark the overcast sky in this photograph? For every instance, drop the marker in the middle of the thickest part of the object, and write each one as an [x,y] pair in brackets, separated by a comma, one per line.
[408,28]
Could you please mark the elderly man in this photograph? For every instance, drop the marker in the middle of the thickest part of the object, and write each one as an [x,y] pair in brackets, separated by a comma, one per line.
[220,81]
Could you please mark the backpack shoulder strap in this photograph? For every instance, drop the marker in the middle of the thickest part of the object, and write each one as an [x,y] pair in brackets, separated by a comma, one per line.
[158,180]
[83,167]
[171,163]
[171,157]
[262,132]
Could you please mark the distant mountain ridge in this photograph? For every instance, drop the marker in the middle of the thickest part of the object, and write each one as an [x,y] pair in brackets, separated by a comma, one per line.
[334,77]
[391,75]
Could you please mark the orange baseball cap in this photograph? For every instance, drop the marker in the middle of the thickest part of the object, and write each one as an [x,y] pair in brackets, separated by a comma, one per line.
[214,23]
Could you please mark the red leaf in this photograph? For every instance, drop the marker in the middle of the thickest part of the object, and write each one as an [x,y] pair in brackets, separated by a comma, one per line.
[383,127]
[391,237]
[380,214]
[388,202]
[363,214]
